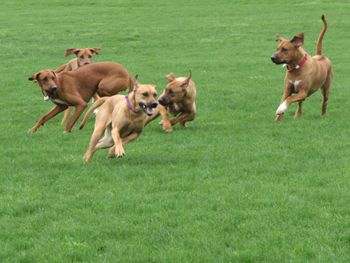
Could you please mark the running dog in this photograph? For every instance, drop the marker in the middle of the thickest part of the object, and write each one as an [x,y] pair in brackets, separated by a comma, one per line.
[178,99]
[305,74]
[121,119]
[75,88]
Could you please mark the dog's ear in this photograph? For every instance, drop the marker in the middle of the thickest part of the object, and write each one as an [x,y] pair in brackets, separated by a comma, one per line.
[95,50]
[278,37]
[71,51]
[185,83]
[170,77]
[34,77]
[298,40]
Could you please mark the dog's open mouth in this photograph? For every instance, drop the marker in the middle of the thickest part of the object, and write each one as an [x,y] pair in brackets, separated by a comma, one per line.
[149,108]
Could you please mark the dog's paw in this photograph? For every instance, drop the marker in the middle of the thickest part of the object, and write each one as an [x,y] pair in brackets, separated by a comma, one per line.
[183,124]
[117,152]
[282,108]
[167,127]
[278,117]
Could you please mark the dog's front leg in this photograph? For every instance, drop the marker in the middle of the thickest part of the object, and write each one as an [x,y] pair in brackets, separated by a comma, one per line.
[113,151]
[78,111]
[179,118]
[165,119]
[52,113]
[288,88]
[300,96]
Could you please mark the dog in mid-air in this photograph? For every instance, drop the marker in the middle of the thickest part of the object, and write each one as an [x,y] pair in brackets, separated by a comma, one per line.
[305,74]
[177,99]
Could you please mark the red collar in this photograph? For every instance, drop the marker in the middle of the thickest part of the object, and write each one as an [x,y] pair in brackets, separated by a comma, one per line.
[300,64]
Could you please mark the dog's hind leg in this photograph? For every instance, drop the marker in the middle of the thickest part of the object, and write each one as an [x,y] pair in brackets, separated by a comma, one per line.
[66,116]
[297,113]
[107,140]
[325,93]
[96,135]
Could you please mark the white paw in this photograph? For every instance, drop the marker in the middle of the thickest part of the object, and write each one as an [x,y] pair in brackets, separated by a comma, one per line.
[96,111]
[282,108]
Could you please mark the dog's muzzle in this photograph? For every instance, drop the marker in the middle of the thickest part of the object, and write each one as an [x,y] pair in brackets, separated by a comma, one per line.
[149,108]
[163,101]
[53,90]
[276,60]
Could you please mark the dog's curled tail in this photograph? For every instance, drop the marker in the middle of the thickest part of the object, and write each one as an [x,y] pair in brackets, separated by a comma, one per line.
[94,106]
[320,37]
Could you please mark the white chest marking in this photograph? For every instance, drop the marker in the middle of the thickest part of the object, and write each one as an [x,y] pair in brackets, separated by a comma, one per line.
[62,102]
[282,108]
[295,83]
[177,108]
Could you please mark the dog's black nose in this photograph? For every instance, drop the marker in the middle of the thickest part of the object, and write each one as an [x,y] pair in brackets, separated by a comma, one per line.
[273,58]
[153,104]
[53,90]
[162,101]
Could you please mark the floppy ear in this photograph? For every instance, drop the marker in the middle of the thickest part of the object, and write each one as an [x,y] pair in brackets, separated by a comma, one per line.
[279,38]
[298,40]
[71,51]
[170,77]
[95,50]
[34,77]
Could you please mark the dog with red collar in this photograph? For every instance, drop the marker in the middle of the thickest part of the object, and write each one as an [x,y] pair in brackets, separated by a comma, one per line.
[305,74]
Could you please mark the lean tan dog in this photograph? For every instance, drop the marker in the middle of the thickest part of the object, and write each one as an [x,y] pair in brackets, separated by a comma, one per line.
[83,57]
[121,119]
[75,88]
[305,74]
[178,99]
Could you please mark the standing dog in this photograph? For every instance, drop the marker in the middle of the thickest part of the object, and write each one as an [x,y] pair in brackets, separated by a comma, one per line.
[305,74]
[178,99]
[83,57]
[75,88]
[121,118]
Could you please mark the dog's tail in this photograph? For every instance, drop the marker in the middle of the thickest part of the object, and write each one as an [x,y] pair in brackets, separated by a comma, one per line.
[94,106]
[320,37]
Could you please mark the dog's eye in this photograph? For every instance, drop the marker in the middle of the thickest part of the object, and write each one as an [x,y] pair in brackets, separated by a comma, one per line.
[81,56]
[90,56]
[284,49]
[155,95]
[44,79]
[145,94]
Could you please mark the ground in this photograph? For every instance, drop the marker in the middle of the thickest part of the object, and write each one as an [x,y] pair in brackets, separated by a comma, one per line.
[233,187]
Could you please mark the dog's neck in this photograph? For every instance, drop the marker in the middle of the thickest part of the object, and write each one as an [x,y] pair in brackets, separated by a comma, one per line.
[131,103]
[298,61]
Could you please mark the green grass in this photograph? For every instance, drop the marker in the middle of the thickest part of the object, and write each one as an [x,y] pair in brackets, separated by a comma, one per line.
[233,187]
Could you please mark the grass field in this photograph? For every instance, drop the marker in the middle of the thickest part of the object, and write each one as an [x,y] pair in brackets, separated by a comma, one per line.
[233,187]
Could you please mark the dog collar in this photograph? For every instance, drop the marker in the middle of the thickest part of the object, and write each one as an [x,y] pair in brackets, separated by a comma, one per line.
[128,103]
[300,64]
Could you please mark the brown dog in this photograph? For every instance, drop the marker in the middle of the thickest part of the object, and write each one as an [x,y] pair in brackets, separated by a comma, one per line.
[121,119]
[305,74]
[83,57]
[178,99]
[75,88]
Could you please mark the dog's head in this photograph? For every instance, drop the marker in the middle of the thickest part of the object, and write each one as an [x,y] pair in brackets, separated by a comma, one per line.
[84,55]
[47,80]
[175,90]
[146,97]
[287,50]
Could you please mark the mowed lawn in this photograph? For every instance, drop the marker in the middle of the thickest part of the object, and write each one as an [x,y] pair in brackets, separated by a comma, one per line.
[233,187]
